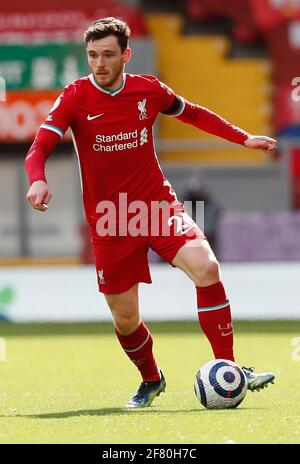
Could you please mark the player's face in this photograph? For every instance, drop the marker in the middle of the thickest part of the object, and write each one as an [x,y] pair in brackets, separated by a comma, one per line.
[106,61]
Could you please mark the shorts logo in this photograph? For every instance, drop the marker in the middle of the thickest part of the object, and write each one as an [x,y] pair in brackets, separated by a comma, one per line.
[101,277]
[142,109]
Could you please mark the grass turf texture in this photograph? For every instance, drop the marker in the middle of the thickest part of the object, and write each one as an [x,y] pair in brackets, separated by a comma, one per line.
[67,383]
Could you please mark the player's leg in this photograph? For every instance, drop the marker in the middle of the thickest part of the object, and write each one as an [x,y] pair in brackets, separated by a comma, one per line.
[191,253]
[122,263]
[136,340]
[133,334]
[198,261]
[186,247]
[200,264]
[124,308]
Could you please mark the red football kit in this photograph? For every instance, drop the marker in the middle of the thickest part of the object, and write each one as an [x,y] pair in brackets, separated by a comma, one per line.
[112,133]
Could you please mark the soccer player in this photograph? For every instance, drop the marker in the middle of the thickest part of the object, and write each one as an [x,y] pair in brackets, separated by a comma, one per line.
[111,116]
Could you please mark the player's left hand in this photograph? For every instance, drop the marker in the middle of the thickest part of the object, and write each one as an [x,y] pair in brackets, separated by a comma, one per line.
[261,142]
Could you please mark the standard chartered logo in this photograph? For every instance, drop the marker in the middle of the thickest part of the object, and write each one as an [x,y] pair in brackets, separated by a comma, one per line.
[144,136]
[121,141]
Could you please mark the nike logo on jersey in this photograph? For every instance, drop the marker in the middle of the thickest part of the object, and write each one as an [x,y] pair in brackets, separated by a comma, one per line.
[90,118]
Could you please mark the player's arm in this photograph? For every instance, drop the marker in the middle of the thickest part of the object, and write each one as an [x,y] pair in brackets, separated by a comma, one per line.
[210,122]
[39,194]
[49,134]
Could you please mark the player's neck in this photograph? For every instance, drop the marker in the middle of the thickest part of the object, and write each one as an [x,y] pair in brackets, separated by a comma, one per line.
[117,85]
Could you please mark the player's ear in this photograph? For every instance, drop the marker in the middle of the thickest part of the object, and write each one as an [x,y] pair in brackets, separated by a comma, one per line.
[126,55]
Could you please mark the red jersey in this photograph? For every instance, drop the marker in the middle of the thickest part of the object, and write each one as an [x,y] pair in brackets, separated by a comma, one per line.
[113,136]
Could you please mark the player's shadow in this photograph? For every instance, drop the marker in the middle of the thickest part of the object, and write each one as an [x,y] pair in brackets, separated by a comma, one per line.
[117,411]
[104,412]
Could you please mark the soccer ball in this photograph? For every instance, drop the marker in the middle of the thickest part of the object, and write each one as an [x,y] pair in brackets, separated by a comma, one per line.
[220,384]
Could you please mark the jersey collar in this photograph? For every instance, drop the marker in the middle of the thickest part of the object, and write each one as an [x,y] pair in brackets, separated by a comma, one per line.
[104,90]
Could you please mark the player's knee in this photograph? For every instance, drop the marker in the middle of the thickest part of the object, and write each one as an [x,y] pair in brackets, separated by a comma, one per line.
[126,322]
[207,273]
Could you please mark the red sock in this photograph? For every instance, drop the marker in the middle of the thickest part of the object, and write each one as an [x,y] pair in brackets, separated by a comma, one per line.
[215,319]
[138,347]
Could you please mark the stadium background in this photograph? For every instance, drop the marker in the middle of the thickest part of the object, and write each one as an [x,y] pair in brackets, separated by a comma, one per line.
[239,58]
[65,378]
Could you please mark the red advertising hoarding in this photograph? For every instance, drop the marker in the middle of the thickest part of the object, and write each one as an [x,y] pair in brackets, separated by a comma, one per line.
[23,112]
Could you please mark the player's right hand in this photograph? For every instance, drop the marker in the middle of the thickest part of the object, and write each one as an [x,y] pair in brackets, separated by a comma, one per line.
[39,195]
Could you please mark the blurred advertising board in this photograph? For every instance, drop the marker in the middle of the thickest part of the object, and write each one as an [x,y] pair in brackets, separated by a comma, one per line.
[34,76]
[62,21]
[55,294]
[23,112]
[44,66]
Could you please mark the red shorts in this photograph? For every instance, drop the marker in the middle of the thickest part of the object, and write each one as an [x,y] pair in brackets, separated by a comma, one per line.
[122,261]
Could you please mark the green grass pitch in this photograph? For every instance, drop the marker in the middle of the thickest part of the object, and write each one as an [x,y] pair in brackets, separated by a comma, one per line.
[67,383]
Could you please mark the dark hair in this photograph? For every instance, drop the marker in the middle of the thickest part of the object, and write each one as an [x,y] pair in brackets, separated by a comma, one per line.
[108,26]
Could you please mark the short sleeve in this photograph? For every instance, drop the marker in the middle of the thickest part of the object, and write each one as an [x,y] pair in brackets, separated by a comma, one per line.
[61,114]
